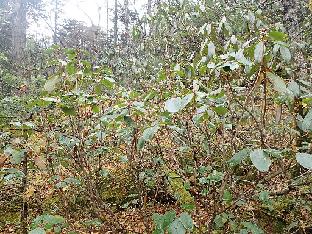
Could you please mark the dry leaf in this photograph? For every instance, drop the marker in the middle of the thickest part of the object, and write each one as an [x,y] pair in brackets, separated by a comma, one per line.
[3,159]
[29,192]
[40,162]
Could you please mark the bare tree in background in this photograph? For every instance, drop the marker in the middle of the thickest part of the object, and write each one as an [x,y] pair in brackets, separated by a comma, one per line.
[19,26]
[116,22]
[149,7]
[126,20]
[56,17]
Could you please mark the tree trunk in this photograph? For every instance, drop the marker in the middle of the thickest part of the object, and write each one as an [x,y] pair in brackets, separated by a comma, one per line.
[19,26]
[56,16]
[116,23]
[149,7]
[126,20]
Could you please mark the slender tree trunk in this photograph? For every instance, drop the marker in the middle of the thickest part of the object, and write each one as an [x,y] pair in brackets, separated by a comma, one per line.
[149,7]
[126,20]
[107,19]
[116,23]
[19,26]
[56,16]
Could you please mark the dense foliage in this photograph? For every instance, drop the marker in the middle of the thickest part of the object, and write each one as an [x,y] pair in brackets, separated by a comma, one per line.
[198,120]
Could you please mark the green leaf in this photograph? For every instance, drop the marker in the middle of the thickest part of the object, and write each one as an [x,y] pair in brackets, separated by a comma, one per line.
[68,110]
[54,219]
[38,230]
[50,84]
[174,105]
[104,173]
[307,122]
[253,228]
[16,156]
[147,135]
[239,157]
[108,82]
[259,52]
[220,220]
[49,220]
[150,132]
[95,109]
[215,176]
[285,53]
[186,220]
[220,110]
[260,160]
[227,196]
[277,36]
[71,68]
[304,160]
[158,231]
[294,88]
[158,221]
[169,216]
[93,223]
[278,84]
[264,196]
[162,75]
[176,227]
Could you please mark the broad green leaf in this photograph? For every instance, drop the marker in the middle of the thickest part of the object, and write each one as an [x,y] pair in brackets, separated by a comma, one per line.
[50,84]
[264,196]
[277,36]
[54,219]
[307,122]
[259,52]
[38,230]
[169,216]
[278,84]
[141,143]
[176,227]
[220,110]
[294,88]
[227,196]
[220,220]
[104,173]
[49,219]
[285,53]
[93,222]
[215,176]
[162,75]
[186,100]
[239,157]
[158,231]
[158,221]
[108,82]
[260,160]
[95,109]
[147,135]
[71,68]
[16,156]
[174,105]
[304,160]
[72,180]
[276,49]
[68,110]
[186,220]
[149,132]
[253,228]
